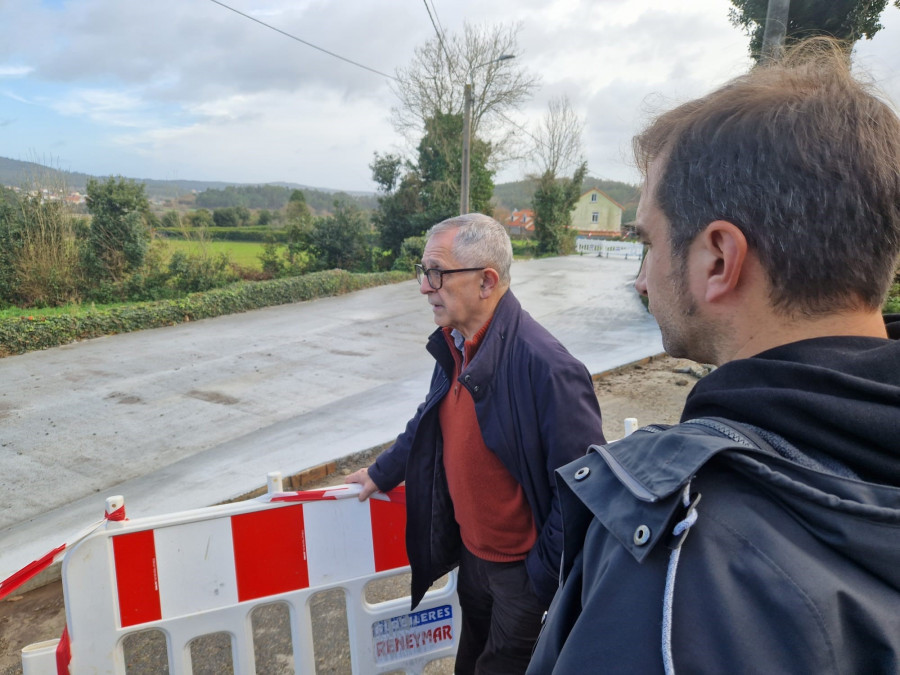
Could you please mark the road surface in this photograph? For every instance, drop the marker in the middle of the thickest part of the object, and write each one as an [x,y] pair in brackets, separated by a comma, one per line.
[191,415]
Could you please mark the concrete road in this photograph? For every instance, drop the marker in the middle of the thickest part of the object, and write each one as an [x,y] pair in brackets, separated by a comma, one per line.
[190,415]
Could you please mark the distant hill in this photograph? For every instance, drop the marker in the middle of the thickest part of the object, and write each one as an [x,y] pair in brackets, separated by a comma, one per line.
[518,195]
[16,173]
[214,194]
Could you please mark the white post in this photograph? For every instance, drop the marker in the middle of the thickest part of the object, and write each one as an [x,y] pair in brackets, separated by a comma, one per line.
[631,425]
[273,482]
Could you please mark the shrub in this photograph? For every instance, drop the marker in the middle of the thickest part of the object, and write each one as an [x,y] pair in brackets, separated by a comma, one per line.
[193,273]
[892,306]
[39,263]
[524,248]
[119,231]
[411,251]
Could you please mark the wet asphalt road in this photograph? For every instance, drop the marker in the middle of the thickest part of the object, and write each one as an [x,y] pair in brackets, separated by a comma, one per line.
[191,415]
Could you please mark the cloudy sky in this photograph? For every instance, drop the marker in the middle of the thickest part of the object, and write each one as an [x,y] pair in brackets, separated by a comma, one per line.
[186,89]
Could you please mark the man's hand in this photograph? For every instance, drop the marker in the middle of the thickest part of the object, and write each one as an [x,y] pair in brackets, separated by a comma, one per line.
[368,485]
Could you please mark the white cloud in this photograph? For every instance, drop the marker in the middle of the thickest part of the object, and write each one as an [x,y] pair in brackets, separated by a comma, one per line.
[117,109]
[151,89]
[316,137]
[14,71]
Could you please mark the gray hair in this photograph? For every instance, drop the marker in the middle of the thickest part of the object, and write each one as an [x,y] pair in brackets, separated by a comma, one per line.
[480,241]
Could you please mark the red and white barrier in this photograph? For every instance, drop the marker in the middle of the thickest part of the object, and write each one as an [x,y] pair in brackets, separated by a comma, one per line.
[202,572]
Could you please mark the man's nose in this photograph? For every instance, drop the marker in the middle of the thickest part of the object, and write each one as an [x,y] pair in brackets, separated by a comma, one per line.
[640,284]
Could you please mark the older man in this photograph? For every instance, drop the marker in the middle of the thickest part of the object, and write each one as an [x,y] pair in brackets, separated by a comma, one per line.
[507,406]
[771,212]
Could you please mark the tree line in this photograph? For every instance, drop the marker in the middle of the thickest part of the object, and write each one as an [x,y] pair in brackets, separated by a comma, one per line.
[275,197]
[51,256]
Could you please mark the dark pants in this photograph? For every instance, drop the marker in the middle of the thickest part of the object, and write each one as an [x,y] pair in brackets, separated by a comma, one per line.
[501,617]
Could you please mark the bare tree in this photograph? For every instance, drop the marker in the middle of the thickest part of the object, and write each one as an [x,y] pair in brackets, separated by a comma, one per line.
[433,83]
[558,145]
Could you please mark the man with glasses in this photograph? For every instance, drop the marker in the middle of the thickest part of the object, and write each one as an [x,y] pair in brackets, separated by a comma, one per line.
[507,406]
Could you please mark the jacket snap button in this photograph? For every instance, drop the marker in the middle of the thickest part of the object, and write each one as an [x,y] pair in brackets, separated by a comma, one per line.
[582,473]
[475,388]
[641,535]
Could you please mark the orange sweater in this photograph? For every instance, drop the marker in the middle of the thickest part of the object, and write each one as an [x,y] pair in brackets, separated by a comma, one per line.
[495,520]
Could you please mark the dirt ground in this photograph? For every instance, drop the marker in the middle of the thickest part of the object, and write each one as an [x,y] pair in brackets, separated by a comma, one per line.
[652,391]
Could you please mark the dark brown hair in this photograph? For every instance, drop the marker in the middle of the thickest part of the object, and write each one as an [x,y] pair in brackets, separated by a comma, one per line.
[805,160]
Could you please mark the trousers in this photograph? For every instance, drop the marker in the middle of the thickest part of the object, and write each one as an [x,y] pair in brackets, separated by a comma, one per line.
[501,617]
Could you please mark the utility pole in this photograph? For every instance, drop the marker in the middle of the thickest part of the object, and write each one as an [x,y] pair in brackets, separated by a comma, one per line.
[467,133]
[466,149]
[776,28]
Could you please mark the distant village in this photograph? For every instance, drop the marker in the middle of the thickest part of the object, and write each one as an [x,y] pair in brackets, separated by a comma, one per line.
[74,198]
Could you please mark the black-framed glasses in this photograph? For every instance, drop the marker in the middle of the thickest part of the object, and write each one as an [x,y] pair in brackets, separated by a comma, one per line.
[436,277]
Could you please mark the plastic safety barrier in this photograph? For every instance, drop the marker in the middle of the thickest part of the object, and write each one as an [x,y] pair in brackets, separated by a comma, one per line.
[609,249]
[203,572]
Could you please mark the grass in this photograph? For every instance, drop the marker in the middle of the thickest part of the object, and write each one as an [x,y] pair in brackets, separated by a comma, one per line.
[64,310]
[243,253]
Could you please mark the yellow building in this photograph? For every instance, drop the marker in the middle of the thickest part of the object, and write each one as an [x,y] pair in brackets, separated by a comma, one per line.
[597,214]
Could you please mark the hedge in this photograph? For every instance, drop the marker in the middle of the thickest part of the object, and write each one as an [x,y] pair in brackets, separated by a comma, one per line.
[28,333]
[256,234]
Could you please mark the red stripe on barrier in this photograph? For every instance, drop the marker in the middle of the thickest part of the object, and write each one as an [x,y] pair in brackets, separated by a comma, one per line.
[269,552]
[63,653]
[388,534]
[136,578]
[397,495]
[30,571]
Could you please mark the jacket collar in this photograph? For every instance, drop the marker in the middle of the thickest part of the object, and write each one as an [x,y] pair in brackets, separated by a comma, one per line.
[478,375]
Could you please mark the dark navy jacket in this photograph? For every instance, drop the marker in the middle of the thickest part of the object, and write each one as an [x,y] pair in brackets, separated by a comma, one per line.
[537,410]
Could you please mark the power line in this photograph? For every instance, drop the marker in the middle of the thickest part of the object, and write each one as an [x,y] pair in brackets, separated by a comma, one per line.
[440,35]
[308,44]
[436,17]
[521,128]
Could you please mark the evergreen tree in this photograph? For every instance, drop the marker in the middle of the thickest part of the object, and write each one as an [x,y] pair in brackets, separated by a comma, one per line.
[298,227]
[413,197]
[339,240]
[552,203]
[847,20]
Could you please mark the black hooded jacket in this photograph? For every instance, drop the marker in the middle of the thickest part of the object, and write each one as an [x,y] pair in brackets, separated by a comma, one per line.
[761,535]
[835,399]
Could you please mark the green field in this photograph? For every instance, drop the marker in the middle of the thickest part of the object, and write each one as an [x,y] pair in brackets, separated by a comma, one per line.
[243,253]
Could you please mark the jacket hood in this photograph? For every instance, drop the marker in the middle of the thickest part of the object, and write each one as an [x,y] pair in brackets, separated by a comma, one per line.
[834,398]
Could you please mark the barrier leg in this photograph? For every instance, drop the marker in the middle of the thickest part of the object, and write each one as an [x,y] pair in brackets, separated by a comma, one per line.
[40,658]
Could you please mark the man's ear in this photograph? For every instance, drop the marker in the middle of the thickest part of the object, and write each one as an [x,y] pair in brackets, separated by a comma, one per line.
[724,252]
[489,281]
